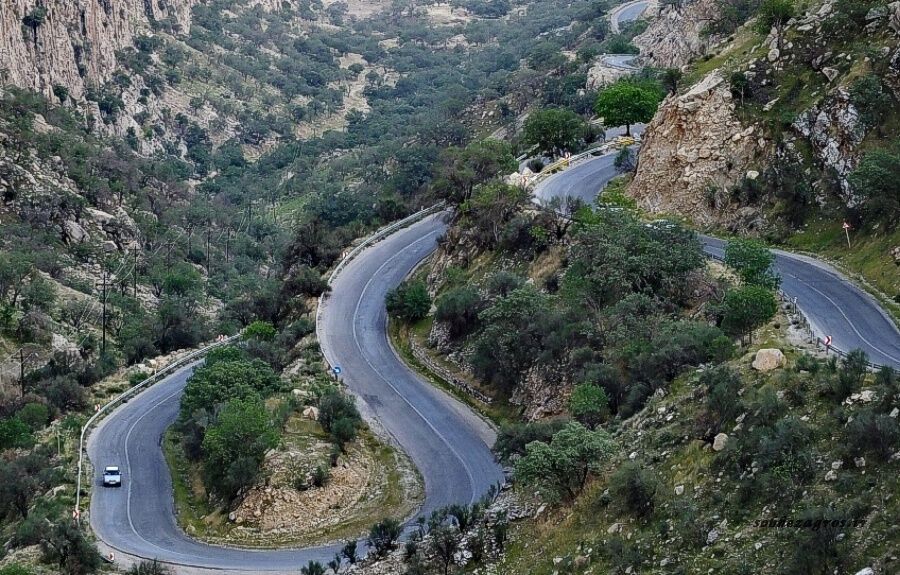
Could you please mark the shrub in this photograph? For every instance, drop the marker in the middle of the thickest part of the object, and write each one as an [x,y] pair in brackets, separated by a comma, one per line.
[873,433]
[560,468]
[409,302]
[635,488]
[589,404]
[723,401]
[335,406]
[260,330]
[313,568]
[149,568]
[383,536]
[747,308]
[320,476]
[14,433]
[459,309]
[66,546]
[513,437]
[348,551]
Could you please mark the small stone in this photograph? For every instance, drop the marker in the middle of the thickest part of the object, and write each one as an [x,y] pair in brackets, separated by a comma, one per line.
[866,571]
[757,545]
[712,536]
[866,396]
[831,475]
[830,73]
[752,174]
[614,528]
[859,461]
[719,442]
[837,465]
[679,489]
[773,54]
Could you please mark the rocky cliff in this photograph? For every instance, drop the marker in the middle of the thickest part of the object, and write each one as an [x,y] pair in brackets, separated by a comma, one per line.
[693,149]
[73,43]
[677,35]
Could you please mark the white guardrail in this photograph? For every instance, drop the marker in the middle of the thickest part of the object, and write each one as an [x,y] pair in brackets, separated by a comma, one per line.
[606,148]
[102,410]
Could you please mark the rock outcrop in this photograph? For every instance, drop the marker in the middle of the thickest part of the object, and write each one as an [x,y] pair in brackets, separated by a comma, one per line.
[693,149]
[677,36]
[73,43]
[835,132]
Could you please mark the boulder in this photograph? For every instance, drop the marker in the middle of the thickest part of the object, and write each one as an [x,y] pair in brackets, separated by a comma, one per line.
[720,441]
[768,359]
[74,233]
[311,413]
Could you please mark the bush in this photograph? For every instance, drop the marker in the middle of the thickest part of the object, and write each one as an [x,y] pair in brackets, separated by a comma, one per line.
[14,433]
[747,308]
[334,406]
[383,536]
[723,400]
[589,405]
[260,330]
[320,476]
[561,468]
[409,302]
[34,415]
[513,437]
[459,309]
[66,546]
[873,434]
[149,568]
[635,488]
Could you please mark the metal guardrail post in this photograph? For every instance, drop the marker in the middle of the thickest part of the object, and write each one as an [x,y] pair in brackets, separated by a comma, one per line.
[175,365]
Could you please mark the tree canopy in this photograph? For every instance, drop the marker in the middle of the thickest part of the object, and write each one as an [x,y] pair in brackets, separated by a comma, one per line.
[627,102]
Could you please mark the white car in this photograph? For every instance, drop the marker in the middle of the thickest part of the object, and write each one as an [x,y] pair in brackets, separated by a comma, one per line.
[112,477]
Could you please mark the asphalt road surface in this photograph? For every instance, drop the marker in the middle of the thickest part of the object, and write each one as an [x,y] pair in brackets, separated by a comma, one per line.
[447,442]
[833,304]
[627,12]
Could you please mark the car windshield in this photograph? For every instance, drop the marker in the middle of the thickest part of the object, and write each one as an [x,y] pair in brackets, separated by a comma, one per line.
[112,470]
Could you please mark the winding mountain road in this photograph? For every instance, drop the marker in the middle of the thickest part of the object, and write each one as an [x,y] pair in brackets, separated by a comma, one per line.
[833,304]
[448,443]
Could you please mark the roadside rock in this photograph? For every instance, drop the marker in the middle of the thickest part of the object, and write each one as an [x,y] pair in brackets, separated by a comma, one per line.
[768,359]
[720,441]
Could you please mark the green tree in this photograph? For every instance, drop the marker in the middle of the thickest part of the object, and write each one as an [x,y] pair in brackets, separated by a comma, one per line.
[218,382]
[383,536]
[671,77]
[409,302]
[876,185]
[555,130]
[260,330]
[753,262]
[66,546]
[348,551]
[627,102]
[463,169]
[872,99]
[14,433]
[561,468]
[747,308]
[234,447]
[589,404]
[774,14]
[459,308]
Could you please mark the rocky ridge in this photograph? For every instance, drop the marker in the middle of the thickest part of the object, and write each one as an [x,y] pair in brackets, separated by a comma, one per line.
[677,35]
[695,147]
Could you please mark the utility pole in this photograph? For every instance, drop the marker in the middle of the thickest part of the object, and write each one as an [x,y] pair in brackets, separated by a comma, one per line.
[227,239]
[103,321]
[134,271]
[22,370]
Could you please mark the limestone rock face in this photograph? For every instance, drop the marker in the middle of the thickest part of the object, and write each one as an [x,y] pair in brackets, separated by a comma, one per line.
[692,150]
[74,43]
[835,131]
[676,37]
[768,359]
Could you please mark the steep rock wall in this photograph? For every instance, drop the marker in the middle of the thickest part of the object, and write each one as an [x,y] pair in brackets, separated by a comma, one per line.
[73,43]
[676,36]
[694,145]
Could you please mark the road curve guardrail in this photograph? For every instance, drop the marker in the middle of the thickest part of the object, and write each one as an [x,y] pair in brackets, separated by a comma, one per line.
[104,409]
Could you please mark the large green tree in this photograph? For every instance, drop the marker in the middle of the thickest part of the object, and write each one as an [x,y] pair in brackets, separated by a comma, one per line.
[235,445]
[876,183]
[747,308]
[561,468]
[627,102]
[555,130]
[753,262]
